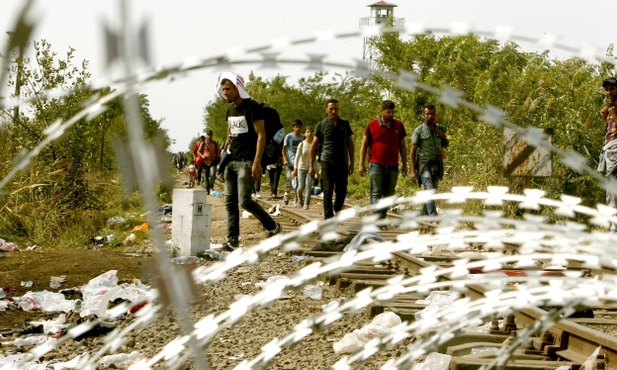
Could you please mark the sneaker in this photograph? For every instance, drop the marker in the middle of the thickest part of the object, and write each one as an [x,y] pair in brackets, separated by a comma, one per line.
[286,199]
[228,247]
[277,230]
[258,195]
[306,207]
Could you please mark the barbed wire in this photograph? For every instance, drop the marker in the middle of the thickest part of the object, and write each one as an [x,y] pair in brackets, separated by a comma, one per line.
[559,243]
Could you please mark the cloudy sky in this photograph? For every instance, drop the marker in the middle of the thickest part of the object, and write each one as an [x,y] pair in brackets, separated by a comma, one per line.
[183,30]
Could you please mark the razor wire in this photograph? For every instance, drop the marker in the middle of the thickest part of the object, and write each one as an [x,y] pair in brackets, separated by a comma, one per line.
[536,236]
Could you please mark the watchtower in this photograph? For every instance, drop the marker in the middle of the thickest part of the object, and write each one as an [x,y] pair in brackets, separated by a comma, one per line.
[381,13]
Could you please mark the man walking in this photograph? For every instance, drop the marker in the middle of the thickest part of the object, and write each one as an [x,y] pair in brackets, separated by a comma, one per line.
[290,146]
[384,140]
[336,158]
[246,139]
[426,162]
[608,156]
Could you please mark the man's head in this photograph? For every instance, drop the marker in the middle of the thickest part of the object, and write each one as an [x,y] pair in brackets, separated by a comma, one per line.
[332,109]
[610,89]
[209,134]
[230,86]
[429,114]
[387,110]
[202,138]
[297,126]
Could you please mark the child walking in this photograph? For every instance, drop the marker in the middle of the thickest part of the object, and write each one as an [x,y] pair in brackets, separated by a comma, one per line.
[301,169]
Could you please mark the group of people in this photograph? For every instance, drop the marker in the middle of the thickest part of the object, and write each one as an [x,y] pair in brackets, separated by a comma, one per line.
[289,161]
[206,156]
[178,160]
[327,151]
[607,163]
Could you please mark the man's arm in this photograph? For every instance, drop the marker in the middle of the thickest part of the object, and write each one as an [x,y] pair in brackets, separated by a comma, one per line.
[403,151]
[612,111]
[351,150]
[313,151]
[363,151]
[258,125]
[412,162]
[284,153]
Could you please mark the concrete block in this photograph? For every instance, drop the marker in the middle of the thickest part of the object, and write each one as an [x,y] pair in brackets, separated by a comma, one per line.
[191,221]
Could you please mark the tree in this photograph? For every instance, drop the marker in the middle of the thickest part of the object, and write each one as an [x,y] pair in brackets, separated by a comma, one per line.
[73,173]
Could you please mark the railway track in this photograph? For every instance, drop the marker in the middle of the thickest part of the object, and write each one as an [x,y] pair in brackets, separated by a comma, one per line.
[546,336]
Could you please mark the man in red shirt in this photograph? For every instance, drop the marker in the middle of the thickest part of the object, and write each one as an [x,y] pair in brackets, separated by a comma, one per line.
[384,140]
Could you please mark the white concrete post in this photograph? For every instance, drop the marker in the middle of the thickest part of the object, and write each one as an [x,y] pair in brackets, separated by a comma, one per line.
[190,221]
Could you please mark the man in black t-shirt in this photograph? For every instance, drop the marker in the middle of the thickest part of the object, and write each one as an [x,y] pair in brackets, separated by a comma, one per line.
[246,139]
[336,158]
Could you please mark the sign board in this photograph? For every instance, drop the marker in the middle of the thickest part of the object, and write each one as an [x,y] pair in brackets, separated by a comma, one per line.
[525,160]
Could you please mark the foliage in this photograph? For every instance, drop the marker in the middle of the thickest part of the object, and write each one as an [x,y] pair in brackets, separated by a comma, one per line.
[75,177]
[531,89]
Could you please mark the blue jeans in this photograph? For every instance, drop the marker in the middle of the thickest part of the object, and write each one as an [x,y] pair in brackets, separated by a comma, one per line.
[334,177]
[305,182]
[289,184]
[429,183]
[238,189]
[382,183]
[209,176]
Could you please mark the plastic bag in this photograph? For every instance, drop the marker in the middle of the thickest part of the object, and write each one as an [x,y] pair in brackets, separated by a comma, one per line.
[350,343]
[378,327]
[434,361]
[313,292]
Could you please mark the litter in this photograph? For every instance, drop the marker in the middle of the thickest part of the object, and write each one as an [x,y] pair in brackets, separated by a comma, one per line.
[142,227]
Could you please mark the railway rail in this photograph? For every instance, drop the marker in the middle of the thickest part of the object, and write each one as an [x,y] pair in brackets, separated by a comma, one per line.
[550,337]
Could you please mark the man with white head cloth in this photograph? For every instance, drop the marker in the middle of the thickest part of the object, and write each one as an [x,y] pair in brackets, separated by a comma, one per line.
[246,140]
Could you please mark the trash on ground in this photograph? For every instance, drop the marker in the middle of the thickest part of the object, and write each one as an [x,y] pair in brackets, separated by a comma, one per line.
[104,288]
[186,260]
[434,361]
[142,227]
[56,281]
[166,210]
[120,359]
[313,291]
[275,279]
[360,239]
[212,255]
[275,210]
[435,301]
[45,301]
[129,239]
[378,327]
[332,304]
[7,246]
[116,221]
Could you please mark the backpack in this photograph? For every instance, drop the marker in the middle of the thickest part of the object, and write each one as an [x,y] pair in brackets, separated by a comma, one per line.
[275,133]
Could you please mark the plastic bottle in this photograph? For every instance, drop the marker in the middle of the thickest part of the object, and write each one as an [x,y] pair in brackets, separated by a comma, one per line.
[332,304]
[212,255]
[280,134]
[120,359]
[186,260]
[313,292]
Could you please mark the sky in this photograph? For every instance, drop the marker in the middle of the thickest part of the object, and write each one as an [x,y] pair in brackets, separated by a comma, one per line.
[182,30]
